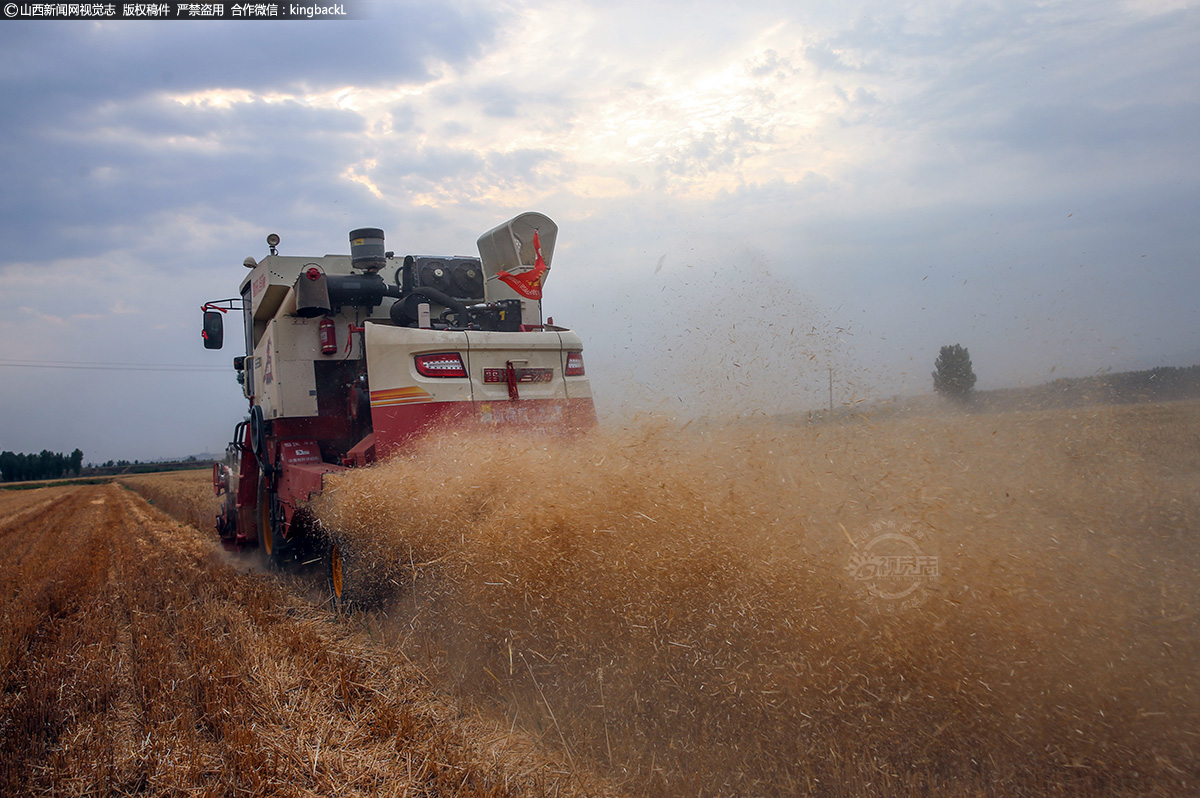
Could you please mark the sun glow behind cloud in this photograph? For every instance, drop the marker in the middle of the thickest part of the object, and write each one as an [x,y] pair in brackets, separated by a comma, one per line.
[689,124]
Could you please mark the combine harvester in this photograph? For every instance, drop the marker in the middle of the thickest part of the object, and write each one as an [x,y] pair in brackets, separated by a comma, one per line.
[350,359]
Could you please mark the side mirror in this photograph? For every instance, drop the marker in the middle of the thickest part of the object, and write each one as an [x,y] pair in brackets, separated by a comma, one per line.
[214,329]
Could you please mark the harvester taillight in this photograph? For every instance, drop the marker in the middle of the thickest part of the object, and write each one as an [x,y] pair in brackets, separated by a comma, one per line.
[328,336]
[442,364]
[574,366]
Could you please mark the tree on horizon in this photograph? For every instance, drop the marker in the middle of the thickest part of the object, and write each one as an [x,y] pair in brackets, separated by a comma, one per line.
[954,377]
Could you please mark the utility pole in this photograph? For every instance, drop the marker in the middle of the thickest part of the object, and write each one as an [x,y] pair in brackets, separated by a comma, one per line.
[831,389]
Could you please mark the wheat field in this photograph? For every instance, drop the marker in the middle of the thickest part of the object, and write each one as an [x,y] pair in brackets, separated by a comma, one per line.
[656,609]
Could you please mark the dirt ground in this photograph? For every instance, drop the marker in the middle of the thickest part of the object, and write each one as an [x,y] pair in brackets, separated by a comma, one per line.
[964,604]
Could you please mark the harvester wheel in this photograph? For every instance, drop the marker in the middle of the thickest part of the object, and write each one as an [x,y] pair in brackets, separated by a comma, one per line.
[273,550]
[357,580]
[336,585]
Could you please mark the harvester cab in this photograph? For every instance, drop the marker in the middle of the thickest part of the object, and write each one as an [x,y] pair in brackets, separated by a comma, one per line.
[351,358]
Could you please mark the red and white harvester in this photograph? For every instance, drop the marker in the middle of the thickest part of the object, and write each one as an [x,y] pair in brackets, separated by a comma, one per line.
[352,358]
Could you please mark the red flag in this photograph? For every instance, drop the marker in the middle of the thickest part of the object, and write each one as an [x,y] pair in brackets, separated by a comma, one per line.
[528,284]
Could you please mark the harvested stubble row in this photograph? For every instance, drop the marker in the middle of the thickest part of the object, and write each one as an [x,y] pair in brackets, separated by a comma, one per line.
[135,660]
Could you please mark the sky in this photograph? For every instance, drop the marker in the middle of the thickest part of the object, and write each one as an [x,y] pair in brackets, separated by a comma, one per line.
[753,200]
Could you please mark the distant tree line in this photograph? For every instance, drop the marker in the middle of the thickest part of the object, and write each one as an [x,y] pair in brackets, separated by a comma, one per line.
[1158,384]
[1165,382]
[44,465]
[1162,384]
[114,467]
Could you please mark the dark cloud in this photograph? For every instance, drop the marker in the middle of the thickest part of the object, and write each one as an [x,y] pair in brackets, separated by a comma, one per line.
[92,146]
[401,42]
[85,188]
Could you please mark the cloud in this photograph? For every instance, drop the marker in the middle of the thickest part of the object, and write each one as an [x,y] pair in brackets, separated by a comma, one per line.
[106,122]
[913,173]
[400,43]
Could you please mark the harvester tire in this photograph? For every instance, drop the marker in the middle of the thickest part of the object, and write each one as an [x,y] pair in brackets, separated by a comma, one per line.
[258,432]
[356,579]
[273,550]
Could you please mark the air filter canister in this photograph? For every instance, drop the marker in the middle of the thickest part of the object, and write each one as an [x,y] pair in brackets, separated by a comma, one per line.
[366,249]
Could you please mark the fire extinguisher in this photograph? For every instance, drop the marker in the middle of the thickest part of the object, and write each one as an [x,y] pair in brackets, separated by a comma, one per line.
[328,336]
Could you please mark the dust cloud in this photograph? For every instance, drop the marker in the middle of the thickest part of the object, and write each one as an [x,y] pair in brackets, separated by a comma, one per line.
[721,337]
[993,603]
